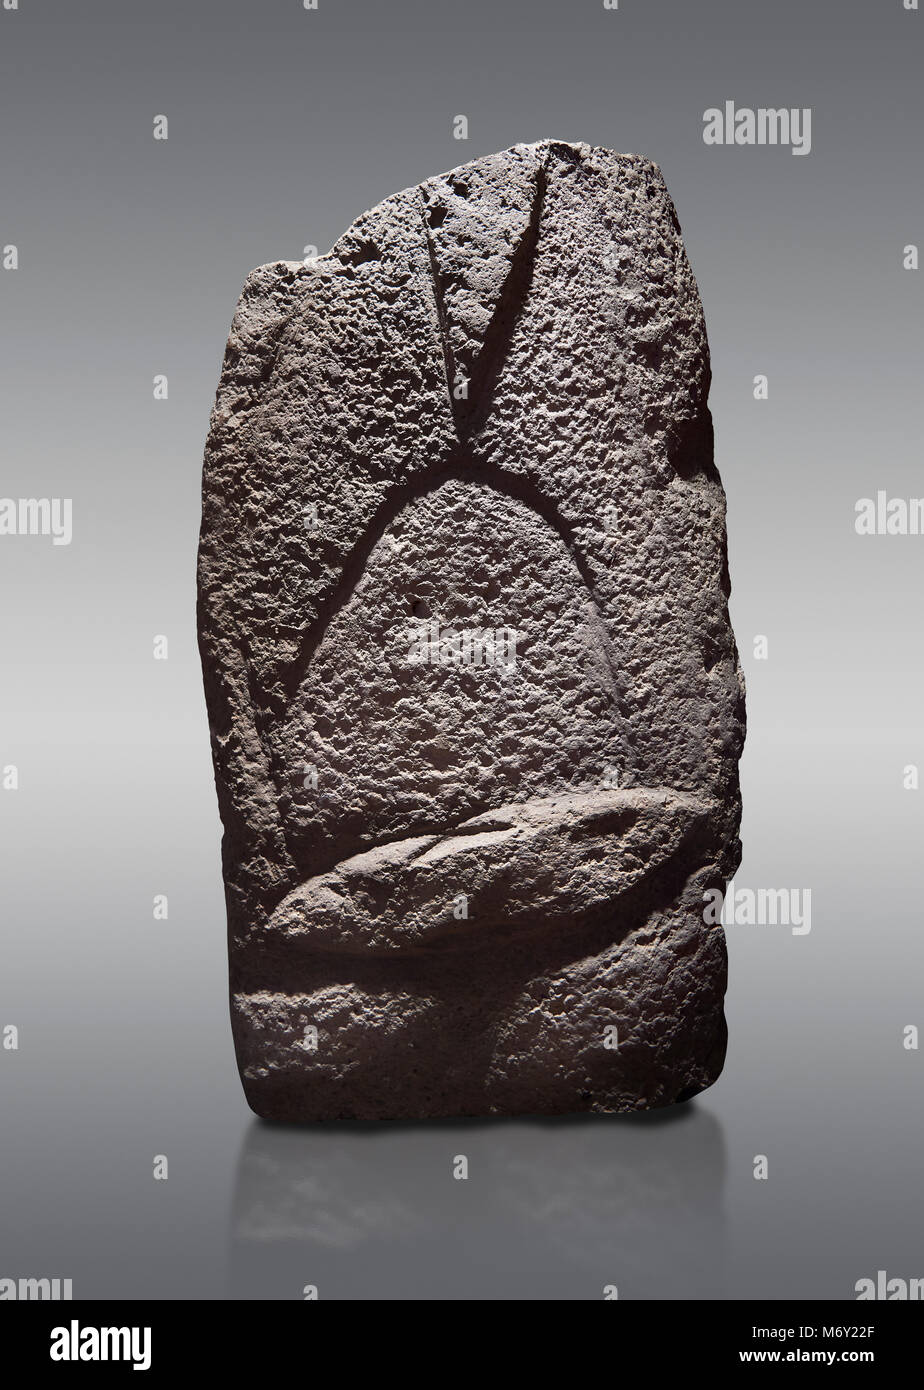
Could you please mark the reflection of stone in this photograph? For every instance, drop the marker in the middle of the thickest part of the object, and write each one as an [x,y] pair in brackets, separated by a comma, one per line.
[648,1197]
[463,886]
[278,1201]
[555,1208]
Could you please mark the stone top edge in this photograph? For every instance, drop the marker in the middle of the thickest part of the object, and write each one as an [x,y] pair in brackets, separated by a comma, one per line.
[584,151]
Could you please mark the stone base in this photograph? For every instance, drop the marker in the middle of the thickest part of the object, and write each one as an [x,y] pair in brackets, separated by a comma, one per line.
[485,1034]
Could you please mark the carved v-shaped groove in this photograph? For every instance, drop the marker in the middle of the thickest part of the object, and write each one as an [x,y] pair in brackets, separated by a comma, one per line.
[470,414]
[441,317]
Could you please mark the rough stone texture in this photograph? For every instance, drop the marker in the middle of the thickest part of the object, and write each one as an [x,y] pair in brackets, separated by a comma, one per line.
[485,408]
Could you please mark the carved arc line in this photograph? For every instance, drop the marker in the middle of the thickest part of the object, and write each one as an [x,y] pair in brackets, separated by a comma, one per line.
[519,489]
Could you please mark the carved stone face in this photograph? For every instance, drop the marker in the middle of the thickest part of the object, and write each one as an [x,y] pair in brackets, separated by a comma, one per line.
[475,701]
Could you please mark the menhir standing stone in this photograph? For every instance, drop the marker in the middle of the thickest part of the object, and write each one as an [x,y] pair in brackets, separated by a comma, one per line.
[475,702]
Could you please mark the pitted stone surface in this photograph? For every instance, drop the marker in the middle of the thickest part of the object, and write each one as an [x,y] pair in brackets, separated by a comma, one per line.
[402,747]
[484,411]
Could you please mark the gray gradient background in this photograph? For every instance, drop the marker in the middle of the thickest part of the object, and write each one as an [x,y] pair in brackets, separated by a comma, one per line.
[285,126]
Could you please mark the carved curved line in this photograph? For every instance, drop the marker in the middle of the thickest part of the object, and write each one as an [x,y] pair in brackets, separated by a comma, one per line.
[507,484]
